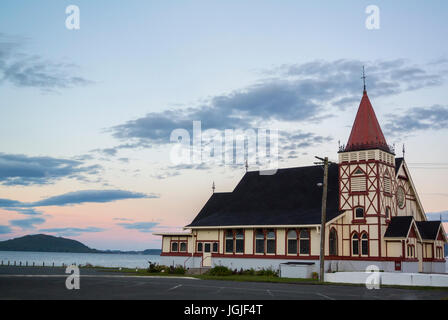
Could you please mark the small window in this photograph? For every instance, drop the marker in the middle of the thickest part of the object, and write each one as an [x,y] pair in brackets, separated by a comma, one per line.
[174,246]
[259,241]
[304,242]
[355,244]
[359,213]
[183,247]
[387,212]
[270,241]
[387,185]
[200,245]
[292,242]
[207,248]
[215,247]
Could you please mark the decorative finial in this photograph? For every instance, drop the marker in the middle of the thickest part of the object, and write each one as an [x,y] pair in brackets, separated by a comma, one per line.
[247,166]
[213,187]
[364,78]
[404,151]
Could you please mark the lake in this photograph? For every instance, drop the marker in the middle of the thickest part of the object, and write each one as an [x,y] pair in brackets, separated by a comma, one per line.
[95,259]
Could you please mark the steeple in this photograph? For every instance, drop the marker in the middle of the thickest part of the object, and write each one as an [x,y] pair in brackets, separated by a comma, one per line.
[366,131]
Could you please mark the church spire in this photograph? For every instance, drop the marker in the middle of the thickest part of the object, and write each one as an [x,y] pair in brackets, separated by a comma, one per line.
[366,131]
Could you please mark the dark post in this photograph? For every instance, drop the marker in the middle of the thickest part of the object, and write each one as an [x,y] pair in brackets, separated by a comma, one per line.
[324,219]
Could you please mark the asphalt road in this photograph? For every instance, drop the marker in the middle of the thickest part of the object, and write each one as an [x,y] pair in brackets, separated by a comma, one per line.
[49,284]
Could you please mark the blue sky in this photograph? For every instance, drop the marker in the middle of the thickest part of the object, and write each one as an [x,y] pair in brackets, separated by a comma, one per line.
[91,109]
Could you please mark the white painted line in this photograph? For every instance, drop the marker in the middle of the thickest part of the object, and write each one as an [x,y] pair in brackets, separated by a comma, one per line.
[174,288]
[270,293]
[324,296]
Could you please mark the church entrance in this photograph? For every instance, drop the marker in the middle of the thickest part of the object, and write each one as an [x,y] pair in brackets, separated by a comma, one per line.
[207,255]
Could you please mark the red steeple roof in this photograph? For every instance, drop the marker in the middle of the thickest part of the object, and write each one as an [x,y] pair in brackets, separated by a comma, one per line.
[366,131]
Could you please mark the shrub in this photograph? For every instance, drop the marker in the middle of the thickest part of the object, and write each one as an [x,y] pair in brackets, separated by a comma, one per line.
[269,272]
[220,271]
[178,270]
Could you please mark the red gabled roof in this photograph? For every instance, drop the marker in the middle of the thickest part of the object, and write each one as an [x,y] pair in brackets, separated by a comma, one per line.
[366,131]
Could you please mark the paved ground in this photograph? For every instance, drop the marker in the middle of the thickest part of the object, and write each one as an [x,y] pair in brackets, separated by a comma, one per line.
[49,283]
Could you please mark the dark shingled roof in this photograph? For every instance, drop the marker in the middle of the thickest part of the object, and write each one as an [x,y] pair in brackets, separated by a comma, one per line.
[289,197]
[398,162]
[428,229]
[398,227]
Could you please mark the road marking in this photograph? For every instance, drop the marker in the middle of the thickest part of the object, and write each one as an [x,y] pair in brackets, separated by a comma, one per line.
[91,276]
[175,287]
[270,293]
[324,296]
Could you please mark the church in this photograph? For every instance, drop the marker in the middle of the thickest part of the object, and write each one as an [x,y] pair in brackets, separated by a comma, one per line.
[374,215]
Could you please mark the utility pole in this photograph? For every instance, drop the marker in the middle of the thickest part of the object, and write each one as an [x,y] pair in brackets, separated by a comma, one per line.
[324,219]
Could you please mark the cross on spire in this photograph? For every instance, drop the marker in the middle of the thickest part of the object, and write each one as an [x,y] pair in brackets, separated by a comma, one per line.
[213,187]
[364,78]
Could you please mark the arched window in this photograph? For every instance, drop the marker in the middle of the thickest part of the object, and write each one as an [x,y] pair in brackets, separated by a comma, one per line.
[259,241]
[292,242]
[239,241]
[364,244]
[359,213]
[355,244]
[333,245]
[304,241]
[229,241]
[387,212]
[358,181]
[270,241]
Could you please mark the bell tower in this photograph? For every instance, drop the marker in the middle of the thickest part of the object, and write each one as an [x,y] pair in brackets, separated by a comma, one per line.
[367,175]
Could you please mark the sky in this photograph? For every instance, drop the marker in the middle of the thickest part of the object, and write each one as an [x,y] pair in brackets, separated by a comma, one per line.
[86,115]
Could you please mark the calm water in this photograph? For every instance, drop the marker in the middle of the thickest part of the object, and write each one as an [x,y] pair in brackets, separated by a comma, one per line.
[95,259]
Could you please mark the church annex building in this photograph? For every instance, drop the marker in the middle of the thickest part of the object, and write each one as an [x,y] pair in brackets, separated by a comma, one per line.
[374,215]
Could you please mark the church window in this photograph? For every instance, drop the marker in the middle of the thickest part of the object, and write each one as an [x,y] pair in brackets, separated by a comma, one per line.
[292,242]
[359,213]
[365,244]
[387,184]
[387,212]
[229,241]
[239,239]
[333,245]
[358,181]
[270,241]
[355,244]
[200,245]
[183,247]
[304,242]
[215,247]
[259,241]
[174,246]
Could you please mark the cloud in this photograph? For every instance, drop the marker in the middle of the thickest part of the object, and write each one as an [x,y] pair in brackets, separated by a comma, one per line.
[27,70]
[418,118]
[140,226]
[27,224]
[24,170]
[5,229]
[26,211]
[96,196]
[289,93]
[71,231]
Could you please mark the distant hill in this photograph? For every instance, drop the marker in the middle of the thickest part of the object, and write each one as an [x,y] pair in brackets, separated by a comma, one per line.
[47,243]
[44,243]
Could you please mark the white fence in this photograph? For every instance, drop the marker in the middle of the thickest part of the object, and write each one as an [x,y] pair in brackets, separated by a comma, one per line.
[390,278]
